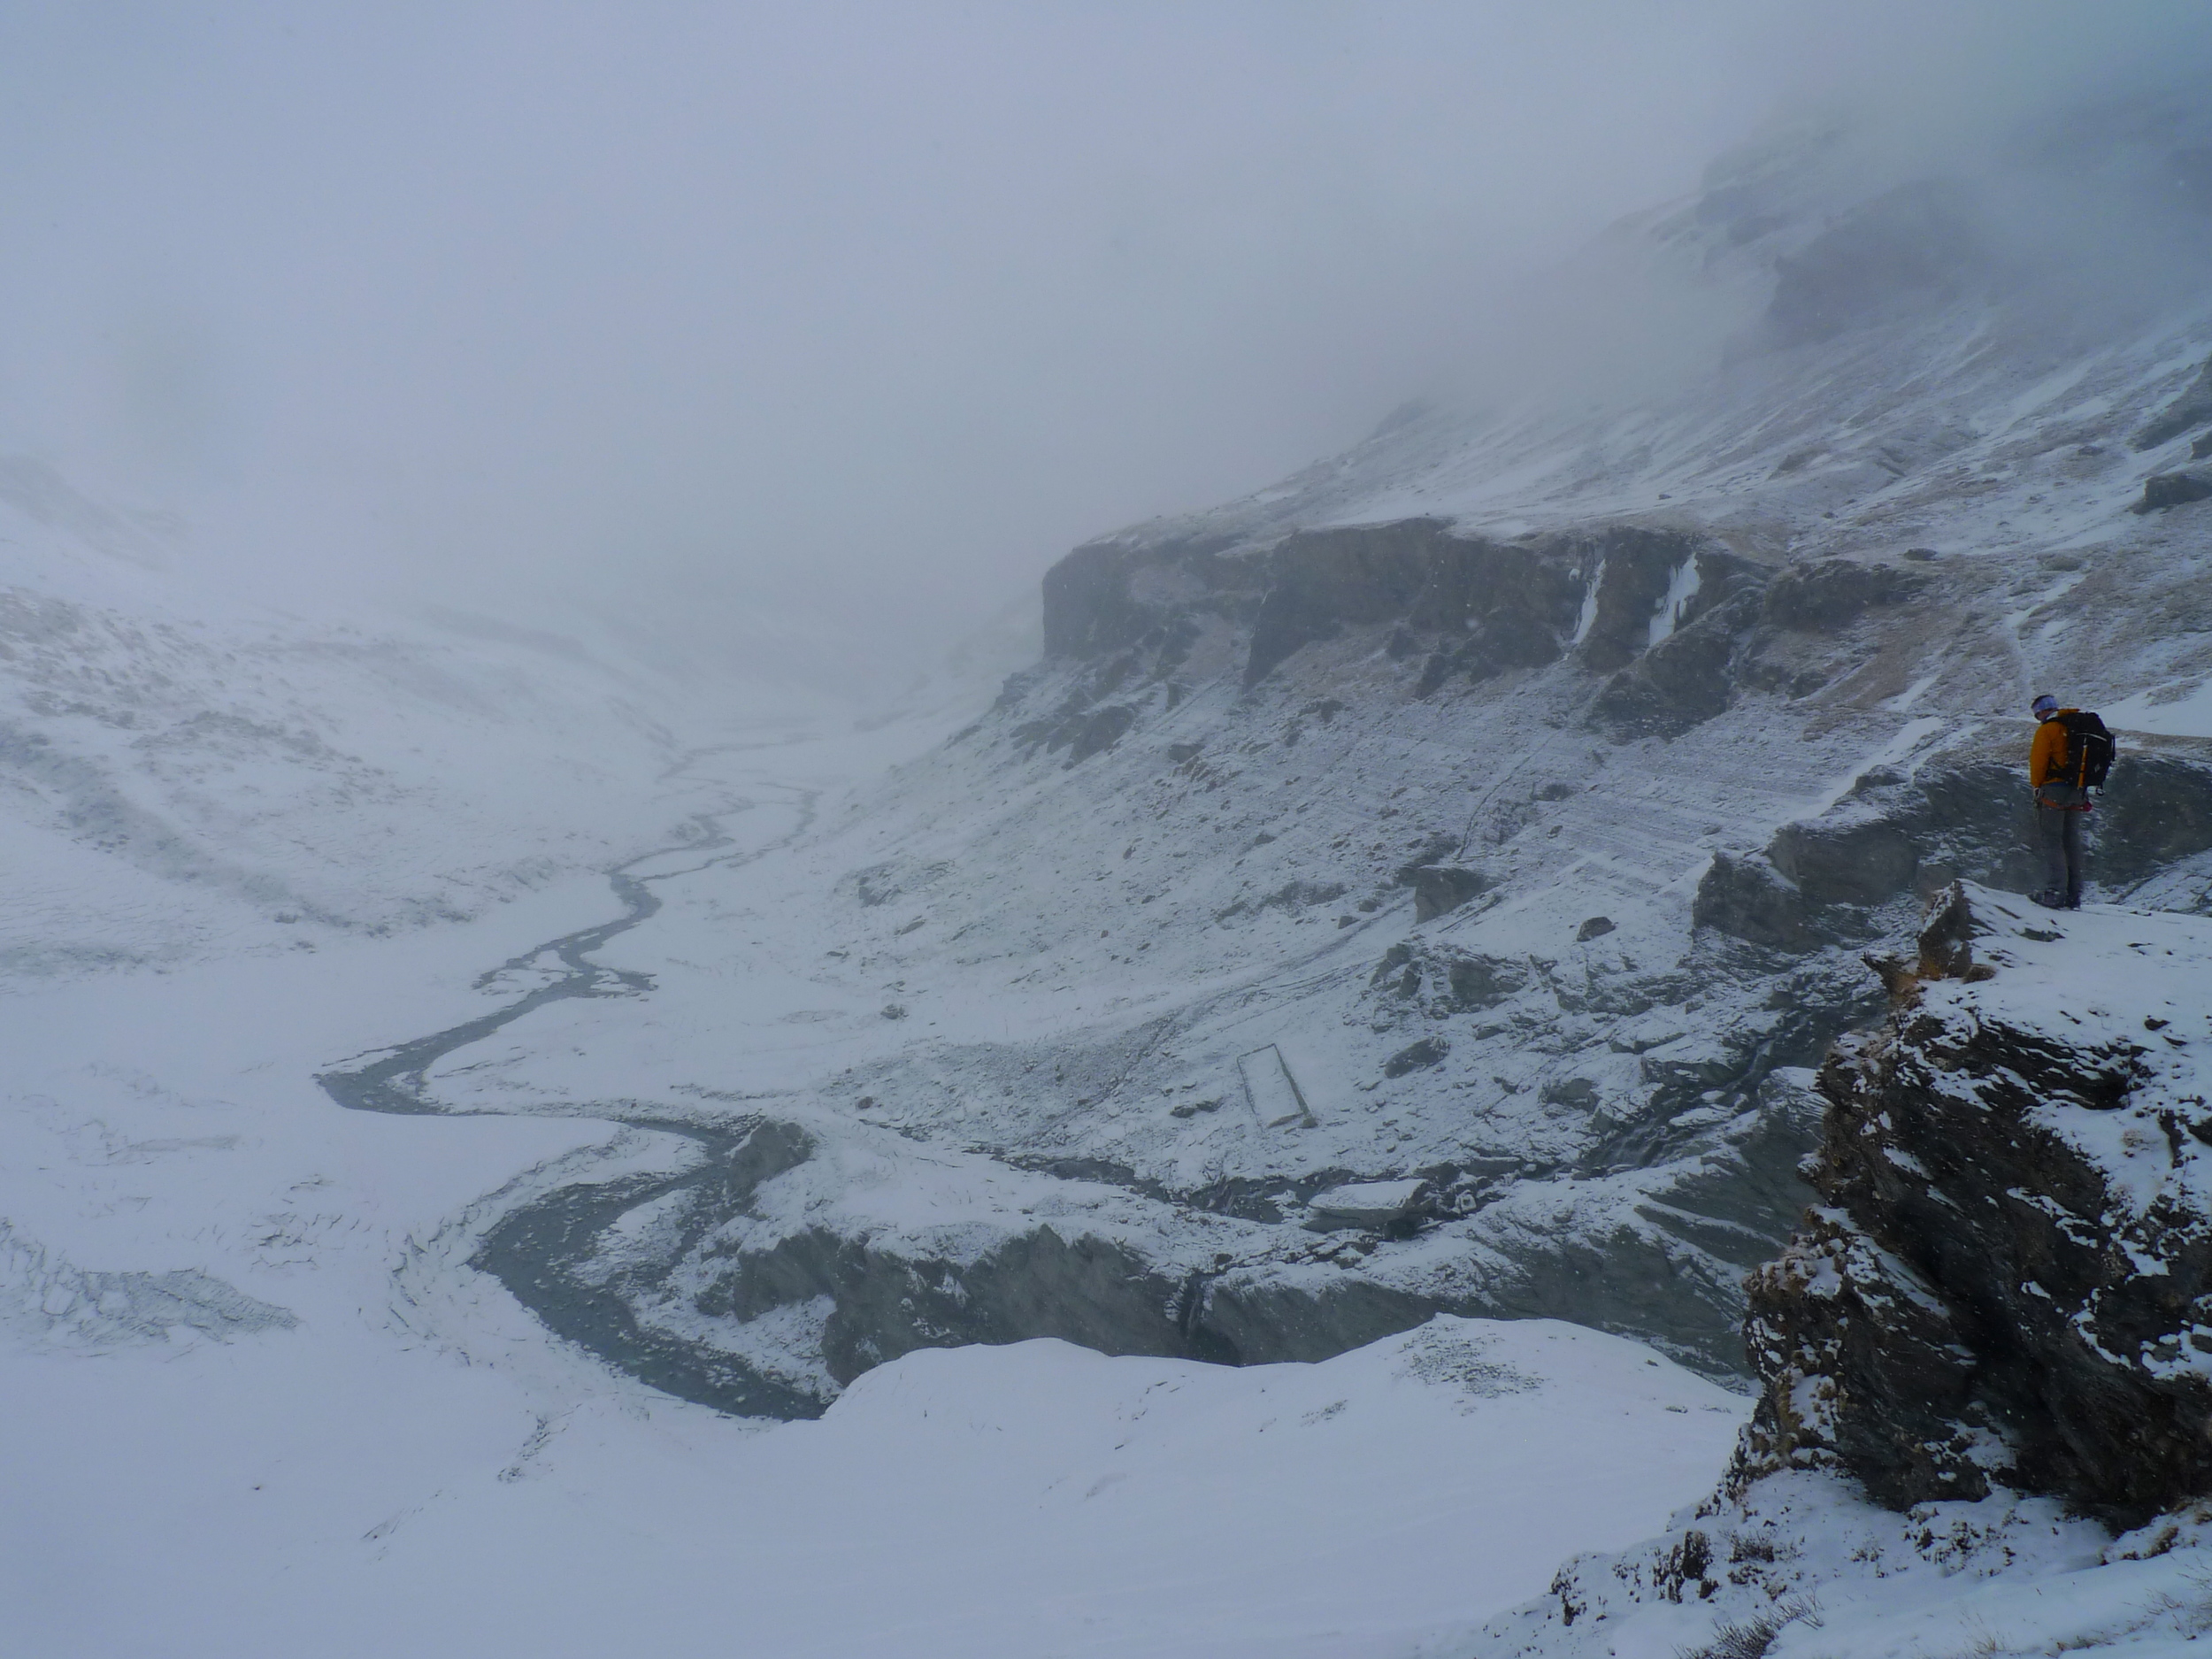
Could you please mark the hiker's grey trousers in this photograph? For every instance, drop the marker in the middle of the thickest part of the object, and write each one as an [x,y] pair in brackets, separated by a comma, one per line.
[2059,829]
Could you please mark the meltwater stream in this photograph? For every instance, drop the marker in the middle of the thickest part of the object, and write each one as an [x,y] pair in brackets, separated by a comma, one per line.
[534,1249]
[549,1250]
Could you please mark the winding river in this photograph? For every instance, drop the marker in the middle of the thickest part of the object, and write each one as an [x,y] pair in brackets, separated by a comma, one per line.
[536,1249]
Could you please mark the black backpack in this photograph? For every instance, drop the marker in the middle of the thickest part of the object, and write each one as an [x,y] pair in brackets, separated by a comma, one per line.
[2089,751]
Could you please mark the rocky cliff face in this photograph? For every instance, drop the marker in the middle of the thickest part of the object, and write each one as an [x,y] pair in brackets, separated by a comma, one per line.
[1987,1349]
[2009,1276]
[1837,877]
[1466,608]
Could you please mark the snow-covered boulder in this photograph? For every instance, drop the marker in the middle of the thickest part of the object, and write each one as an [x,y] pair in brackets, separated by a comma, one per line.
[1377,1204]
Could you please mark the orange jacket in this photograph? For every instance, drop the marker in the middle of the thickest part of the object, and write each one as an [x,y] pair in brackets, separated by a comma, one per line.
[2048,752]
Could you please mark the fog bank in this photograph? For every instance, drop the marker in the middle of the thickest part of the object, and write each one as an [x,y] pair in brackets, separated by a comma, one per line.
[721,316]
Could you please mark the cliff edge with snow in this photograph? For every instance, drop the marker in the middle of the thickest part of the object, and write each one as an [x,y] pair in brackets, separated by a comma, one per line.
[1986,1346]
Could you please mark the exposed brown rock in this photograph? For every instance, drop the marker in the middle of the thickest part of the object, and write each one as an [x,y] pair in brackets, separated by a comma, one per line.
[2009,1274]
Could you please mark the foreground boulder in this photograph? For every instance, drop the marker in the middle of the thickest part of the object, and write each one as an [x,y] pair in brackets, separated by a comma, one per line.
[2009,1277]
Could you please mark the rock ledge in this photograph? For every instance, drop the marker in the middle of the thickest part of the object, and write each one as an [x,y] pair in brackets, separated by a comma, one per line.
[2009,1278]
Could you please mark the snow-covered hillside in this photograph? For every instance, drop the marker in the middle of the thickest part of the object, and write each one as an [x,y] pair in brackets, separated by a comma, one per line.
[185,774]
[1412,897]
[1520,852]
[262,1392]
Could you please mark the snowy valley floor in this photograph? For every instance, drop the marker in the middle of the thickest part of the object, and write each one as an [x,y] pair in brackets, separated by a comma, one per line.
[257,1404]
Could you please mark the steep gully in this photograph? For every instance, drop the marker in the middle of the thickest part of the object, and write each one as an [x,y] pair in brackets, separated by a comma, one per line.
[534,1249]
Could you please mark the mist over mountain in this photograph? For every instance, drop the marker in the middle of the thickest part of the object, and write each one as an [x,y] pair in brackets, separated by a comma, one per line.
[690,313]
[659,991]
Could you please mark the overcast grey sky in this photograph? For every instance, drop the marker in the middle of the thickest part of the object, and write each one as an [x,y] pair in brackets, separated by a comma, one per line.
[886,304]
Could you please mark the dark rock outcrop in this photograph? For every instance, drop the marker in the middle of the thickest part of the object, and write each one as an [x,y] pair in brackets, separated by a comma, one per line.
[1466,607]
[1107,596]
[1689,674]
[1864,861]
[1438,888]
[1825,878]
[1489,606]
[1080,1288]
[1480,981]
[2193,407]
[1805,611]
[1827,596]
[1321,581]
[1632,572]
[2157,810]
[1099,730]
[1077,727]
[2009,1276]
[1682,681]
[1455,981]
[1416,1055]
[1747,898]
[2175,489]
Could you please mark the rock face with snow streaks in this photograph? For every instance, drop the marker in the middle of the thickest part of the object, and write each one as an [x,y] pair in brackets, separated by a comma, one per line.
[2009,1277]
[1471,607]
[1831,878]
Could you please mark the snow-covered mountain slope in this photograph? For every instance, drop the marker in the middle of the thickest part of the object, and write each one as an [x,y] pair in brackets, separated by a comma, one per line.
[185,775]
[1420,889]
[1499,810]
[1852,359]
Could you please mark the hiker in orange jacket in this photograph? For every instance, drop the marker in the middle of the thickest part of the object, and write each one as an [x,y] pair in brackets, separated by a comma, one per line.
[2059,809]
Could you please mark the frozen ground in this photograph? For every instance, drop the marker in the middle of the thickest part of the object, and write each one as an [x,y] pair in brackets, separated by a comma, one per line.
[1805,1568]
[259,1404]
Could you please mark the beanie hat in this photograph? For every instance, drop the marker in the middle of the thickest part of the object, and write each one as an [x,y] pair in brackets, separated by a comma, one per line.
[2045,704]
